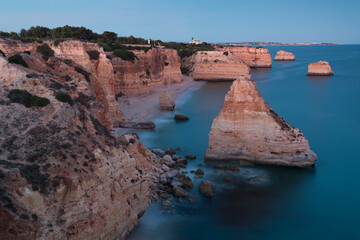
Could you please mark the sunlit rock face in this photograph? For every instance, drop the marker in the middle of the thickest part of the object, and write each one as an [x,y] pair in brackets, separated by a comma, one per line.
[151,69]
[321,68]
[63,175]
[284,56]
[253,56]
[216,66]
[248,129]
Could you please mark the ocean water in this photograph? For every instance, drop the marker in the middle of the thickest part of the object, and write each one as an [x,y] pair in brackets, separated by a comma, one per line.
[287,203]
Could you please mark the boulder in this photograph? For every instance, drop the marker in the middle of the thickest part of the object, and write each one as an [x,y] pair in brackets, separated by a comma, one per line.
[179,192]
[206,188]
[167,160]
[170,151]
[143,124]
[199,172]
[166,102]
[180,117]
[190,156]
[158,152]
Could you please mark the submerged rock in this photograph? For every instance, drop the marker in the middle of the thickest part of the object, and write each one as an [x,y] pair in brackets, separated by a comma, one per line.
[166,102]
[170,151]
[206,188]
[190,156]
[284,56]
[320,68]
[248,129]
[179,192]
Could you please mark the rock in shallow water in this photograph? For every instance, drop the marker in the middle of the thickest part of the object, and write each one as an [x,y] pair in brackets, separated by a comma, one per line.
[206,188]
[180,117]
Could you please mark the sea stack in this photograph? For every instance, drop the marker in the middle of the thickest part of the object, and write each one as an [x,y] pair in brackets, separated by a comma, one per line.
[248,129]
[321,68]
[284,56]
[217,66]
[166,102]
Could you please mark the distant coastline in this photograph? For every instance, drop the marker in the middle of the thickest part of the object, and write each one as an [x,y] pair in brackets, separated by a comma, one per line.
[257,44]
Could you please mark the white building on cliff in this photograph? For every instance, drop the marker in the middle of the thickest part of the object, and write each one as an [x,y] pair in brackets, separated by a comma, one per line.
[195,41]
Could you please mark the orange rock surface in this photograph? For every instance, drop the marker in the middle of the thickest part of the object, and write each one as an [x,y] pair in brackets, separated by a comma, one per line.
[321,68]
[149,70]
[63,174]
[216,66]
[284,56]
[248,129]
[252,56]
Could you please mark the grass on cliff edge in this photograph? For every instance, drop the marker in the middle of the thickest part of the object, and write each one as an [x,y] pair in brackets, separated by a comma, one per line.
[27,99]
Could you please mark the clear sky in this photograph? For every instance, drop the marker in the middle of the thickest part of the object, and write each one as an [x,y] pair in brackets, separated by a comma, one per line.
[207,20]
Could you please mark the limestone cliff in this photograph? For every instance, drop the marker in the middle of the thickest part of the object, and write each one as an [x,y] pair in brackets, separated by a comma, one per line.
[151,69]
[216,66]
[252,56]
[321,68]
[62,173]
[248,129]
[284,56]
[72,64]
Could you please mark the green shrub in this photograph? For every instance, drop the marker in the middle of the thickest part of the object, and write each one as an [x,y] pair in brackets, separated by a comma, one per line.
[64,97]
[27,52]
[34,177]
[25,98]
[39,101]
[45,51]
[226,53]
[84,73]
[17,59]
[94,55]
[2,53]
[125,55]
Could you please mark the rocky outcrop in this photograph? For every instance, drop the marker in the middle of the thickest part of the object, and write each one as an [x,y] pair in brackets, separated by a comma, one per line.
[216,66]
[321,68]
[151,69]
[284,56]
[72,64]
[166,102]
[252,56]
[248,129]
[63,175]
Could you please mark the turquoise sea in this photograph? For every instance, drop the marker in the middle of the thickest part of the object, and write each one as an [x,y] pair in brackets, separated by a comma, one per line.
[287,203]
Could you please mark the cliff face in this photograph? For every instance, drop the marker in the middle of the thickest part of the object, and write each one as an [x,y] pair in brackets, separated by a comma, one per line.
[149,70]
[253,57]
[62,174]
[248,129]
[284,56]
[216,66]
[321,68]
[71,64]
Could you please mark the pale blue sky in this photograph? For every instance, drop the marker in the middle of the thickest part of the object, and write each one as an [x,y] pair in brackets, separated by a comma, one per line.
[207,20]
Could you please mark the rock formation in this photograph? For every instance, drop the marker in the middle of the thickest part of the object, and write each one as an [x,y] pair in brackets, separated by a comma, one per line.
[63,175]
[166,102]
[284,56]
[320,68]
[248,129]
[151,69]
[252,56]
[71,64]
[216,66]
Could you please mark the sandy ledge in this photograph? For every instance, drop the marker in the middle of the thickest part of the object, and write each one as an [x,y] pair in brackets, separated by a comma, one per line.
[147,107]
